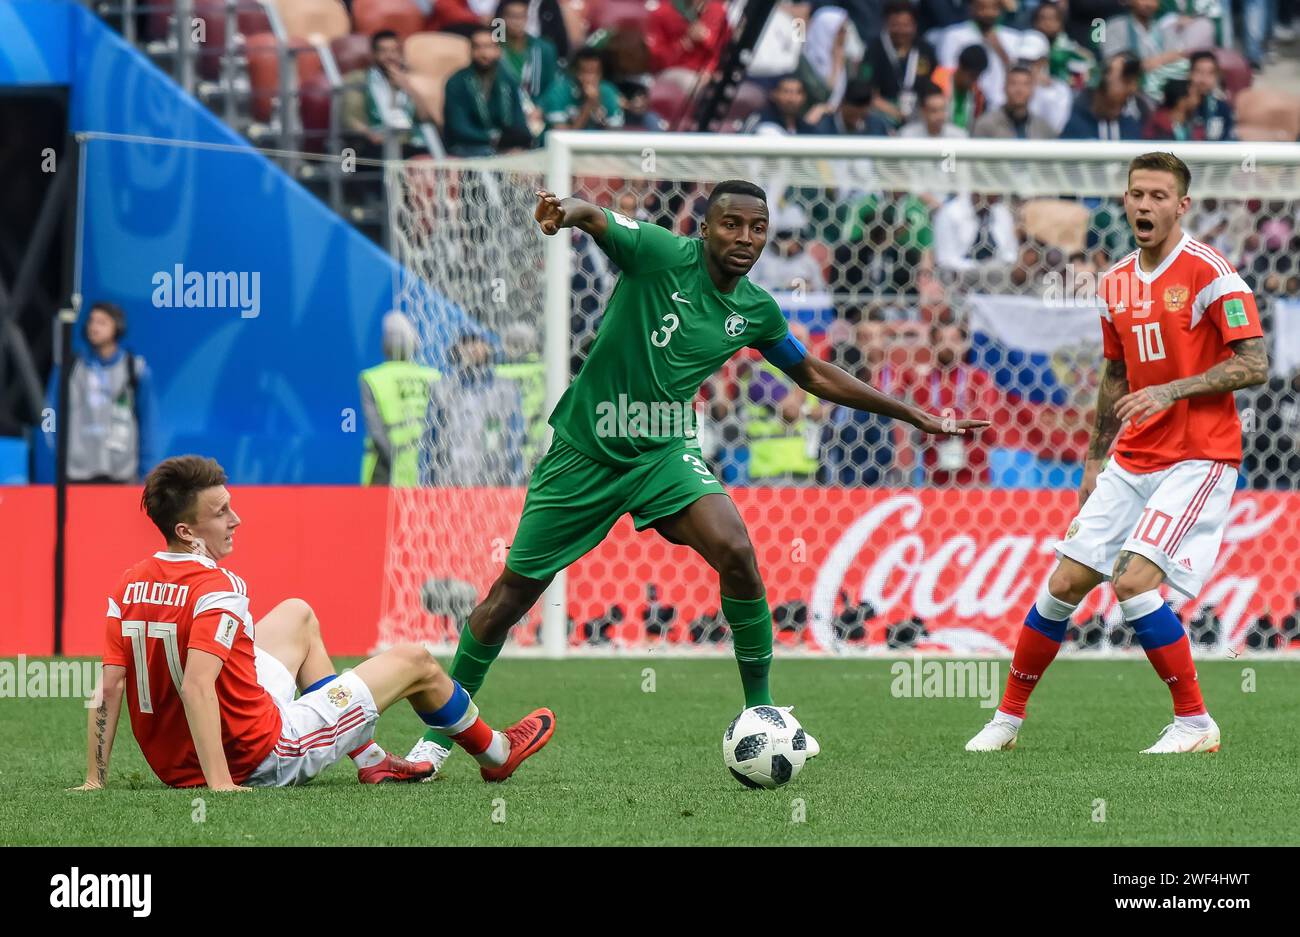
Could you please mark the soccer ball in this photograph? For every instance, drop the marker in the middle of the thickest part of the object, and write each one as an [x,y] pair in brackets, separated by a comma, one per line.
[764,747]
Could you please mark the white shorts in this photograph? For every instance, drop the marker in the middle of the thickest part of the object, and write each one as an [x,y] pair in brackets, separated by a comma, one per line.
[1173,517]
[316,729]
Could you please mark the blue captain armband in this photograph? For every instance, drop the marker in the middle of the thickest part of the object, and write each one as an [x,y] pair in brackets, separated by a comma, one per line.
[786,353]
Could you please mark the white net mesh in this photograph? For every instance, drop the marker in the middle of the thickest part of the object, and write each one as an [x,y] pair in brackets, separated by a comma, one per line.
[951,281]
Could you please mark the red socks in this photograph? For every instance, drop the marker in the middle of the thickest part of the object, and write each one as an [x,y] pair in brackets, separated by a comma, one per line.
[1175,665]
[1034,651]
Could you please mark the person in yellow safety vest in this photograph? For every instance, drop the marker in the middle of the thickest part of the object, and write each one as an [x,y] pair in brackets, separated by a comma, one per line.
[782,436]
[523,365]
[395,403]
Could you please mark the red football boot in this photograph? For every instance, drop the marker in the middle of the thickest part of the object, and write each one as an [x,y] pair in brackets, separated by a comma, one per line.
[527,737]
[395,770]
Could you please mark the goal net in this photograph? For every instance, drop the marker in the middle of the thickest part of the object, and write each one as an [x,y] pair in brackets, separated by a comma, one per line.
[959,275]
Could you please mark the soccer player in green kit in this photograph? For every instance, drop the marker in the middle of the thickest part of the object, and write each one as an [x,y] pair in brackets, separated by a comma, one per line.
[682,307]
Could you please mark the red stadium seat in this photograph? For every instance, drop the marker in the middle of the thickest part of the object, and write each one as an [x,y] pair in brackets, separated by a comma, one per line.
[613,13]
[671,93]
[1235,70]
[314,107]
[437,55]
[351,52]
[401,16]
[1265,114]
[250,18]
[264,70]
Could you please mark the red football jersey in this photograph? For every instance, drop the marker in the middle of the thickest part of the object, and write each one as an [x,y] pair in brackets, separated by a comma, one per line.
[163,606]
[1173,322]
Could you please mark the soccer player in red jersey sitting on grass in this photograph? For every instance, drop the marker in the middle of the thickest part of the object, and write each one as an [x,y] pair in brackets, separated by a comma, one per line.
[212,697]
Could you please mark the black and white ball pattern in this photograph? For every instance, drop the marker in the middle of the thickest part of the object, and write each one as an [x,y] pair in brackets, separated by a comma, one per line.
[764,747]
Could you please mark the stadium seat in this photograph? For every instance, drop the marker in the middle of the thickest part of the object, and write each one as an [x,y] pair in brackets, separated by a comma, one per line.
[1056,223]
[429,93]
[1264,114]
[1234,71]
[314,108]
[437,55]
[671,93]
[264,70]
[613,13]
[160,13]
[749,98]
[401,16]
[351,52]
[307,18]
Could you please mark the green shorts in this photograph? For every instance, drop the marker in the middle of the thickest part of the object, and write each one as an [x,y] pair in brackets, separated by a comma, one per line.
[573,501]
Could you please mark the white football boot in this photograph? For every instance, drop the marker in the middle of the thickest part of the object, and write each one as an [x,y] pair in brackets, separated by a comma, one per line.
[1179,738]
[999,735]
[430,751]
[810,743]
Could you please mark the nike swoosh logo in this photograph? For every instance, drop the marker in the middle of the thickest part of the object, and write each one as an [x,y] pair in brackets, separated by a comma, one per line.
[677,297]
[541,731]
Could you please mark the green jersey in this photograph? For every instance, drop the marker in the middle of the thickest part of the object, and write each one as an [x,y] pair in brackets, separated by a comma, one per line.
[666,329]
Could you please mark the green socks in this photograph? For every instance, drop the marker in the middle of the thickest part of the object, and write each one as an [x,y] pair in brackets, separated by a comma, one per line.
[469,668]
[751,635]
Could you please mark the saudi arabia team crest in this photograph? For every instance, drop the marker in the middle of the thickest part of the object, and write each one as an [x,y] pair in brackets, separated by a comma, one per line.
[735,324]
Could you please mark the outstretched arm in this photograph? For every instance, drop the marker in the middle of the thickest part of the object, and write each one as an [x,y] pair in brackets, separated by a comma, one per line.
[554,213]
[828,382]
[1247,367]
[101,726]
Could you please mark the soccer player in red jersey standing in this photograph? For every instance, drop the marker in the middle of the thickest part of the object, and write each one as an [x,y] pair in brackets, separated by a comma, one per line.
[1180,333]
[212,697]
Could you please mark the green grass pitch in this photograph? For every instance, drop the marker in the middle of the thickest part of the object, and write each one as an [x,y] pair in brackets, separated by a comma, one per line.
[634,767]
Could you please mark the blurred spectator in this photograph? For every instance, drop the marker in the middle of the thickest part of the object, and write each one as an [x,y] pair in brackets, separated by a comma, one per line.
[896,61]
[966,99]
[521,348]
[787,265]
[380,100]
[1085,20]
[1052,98]
[636,108]
[1271,434]
[1257,27]
[950,385]
[1215,115]
[482,100]
[784,110]
[1161,43]
[111,406]
[1109,111]
[529,60]
[687,34]
[583,100]
[998,42]
[1012,119]
[887,242]
[779,430]
[931,115]
[857,447]
[476,426]
[1175,118]
[779,45]
[854,117]
[936,15]
[866,16]
[1068,61]
[976,231]
[395,404]
[824,68]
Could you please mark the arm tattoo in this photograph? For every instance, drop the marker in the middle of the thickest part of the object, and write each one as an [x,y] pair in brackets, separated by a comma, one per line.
[1114,385]
[1247,366]
[101,726]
